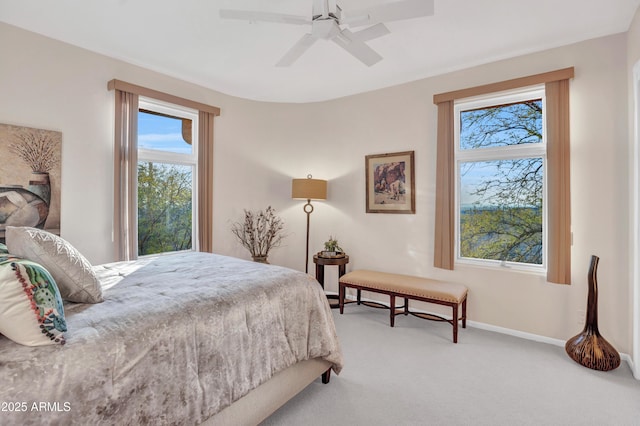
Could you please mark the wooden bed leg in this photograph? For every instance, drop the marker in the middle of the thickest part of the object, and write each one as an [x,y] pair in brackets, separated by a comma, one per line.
[326,376]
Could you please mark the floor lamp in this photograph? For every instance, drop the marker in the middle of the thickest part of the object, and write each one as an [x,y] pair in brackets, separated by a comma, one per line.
[308,189]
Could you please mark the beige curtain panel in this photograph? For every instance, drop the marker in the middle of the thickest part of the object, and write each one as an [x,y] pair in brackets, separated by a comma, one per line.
[125,175]
[205,181]
[445,188]
[559,185]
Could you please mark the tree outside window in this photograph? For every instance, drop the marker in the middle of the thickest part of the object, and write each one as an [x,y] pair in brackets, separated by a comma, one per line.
[501,158]
[167,161]
[164,208]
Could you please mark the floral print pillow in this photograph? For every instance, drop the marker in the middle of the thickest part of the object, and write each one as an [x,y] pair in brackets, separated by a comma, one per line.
[31,310]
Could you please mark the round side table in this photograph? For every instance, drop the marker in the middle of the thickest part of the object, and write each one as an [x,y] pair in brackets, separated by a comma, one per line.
[321,262]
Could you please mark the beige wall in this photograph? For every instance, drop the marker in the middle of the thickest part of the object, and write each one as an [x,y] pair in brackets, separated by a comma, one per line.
[261,146]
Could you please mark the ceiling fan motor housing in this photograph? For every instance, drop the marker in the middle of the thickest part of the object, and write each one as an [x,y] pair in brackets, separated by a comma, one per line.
[325,28]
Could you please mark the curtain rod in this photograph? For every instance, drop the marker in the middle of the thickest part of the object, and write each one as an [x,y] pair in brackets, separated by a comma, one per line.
[150,93]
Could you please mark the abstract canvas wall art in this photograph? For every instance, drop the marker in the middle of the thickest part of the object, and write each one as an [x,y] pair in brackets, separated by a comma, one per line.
[30,175]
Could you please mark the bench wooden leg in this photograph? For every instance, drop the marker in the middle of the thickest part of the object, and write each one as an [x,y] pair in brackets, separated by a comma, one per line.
[455,323]
[406,306]
[392,308]
[464,313]
[358,296]
[341,290]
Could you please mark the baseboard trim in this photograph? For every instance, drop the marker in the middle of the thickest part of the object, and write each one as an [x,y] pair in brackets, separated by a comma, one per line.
[538,338]
[516,333]
[511,332]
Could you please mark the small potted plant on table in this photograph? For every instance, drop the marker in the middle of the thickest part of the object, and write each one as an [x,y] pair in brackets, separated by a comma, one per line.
[331,248]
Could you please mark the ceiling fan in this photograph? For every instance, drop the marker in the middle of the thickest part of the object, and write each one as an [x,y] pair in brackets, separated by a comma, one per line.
[329,22]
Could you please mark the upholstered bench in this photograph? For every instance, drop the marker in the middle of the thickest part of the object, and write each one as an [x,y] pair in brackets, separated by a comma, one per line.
[407,287]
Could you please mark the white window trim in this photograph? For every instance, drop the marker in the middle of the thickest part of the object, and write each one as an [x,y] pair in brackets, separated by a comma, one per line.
[500,153]
[165,157]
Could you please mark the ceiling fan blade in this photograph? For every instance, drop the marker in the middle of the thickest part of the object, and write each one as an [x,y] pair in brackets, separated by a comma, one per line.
[246,15]
[387,12]
[348,41]
[296,51]
[370,33]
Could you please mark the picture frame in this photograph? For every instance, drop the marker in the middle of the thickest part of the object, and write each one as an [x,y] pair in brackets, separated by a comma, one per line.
[390,183]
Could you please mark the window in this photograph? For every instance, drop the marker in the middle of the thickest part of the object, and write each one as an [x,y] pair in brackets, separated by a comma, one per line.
[556,168]
[191,160]
[167,167]
[500,174]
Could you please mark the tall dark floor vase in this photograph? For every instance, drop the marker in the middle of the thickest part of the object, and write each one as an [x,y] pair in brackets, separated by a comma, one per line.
[589,348]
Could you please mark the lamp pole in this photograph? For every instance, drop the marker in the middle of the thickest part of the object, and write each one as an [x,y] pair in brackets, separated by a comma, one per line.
[308,209]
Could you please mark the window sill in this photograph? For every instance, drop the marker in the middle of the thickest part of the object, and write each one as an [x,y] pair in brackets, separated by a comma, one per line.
[501,266]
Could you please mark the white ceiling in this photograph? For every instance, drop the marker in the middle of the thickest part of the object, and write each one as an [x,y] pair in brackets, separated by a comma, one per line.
[187,39]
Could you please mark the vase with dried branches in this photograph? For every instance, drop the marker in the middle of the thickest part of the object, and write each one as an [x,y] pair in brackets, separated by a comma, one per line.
[36,148]
[260,232]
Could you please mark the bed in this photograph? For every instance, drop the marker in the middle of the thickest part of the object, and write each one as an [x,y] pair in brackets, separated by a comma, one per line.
[186,338]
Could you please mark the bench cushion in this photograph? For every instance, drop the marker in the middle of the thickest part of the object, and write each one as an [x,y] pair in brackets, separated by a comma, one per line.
[407,284]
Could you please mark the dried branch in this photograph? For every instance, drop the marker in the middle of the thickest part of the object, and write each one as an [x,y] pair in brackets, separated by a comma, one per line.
[37,148]
[260,232]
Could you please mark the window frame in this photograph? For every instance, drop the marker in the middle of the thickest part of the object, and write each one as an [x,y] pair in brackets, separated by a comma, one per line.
[533,150]
[168,157]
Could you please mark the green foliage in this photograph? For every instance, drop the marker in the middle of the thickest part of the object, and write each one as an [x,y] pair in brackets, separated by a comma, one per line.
[164,208]
[511,234]
[332,244]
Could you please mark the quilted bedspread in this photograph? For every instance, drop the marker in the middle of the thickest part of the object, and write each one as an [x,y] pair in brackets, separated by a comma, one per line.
[178,338]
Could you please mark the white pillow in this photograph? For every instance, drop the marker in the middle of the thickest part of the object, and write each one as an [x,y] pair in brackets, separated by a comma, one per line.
[31,310]
[71,270]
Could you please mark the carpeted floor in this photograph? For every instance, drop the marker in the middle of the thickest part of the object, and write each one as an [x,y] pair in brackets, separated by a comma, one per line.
[414,375]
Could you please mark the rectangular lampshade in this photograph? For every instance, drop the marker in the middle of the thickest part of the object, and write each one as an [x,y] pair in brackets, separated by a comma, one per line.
[309,189]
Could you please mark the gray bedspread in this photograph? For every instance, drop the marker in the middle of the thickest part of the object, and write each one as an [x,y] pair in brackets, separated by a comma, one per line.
[177,338]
